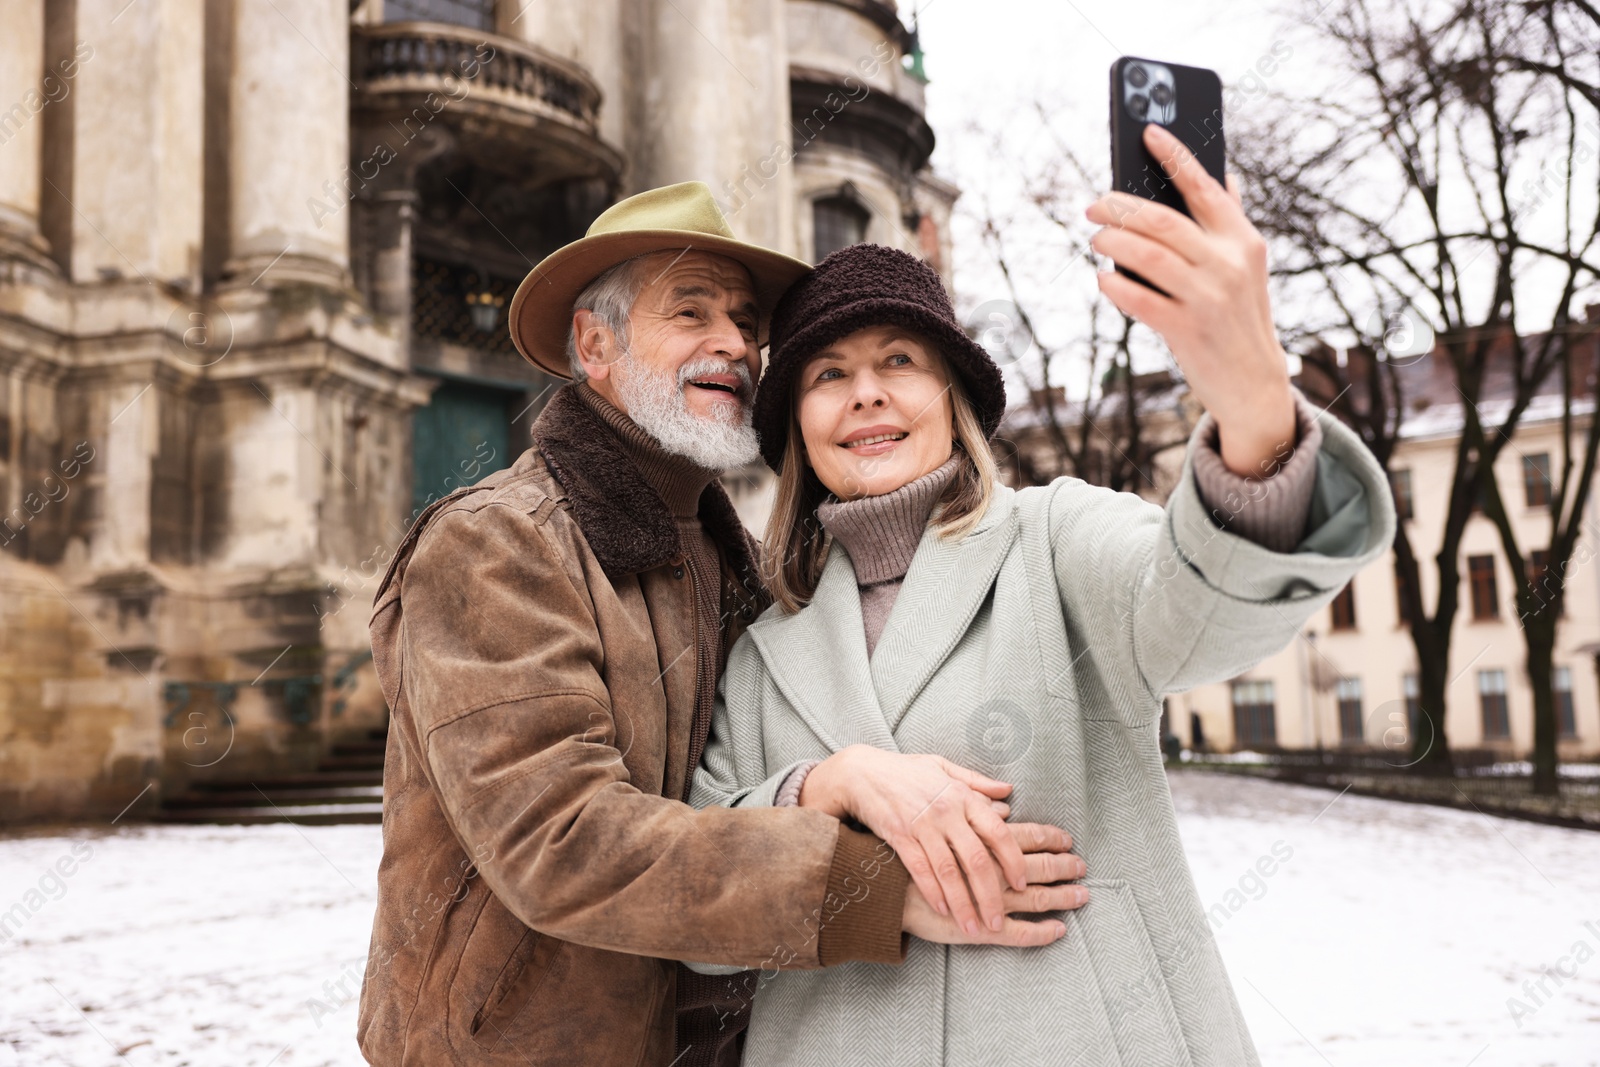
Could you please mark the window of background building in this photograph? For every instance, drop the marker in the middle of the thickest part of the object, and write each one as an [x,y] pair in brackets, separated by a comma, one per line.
[1536,479]
[838,222]
[1400,482]
[1254,713]
[478,14]
[1350,726]
[1485,598]
[1566,717]
[1492,696]
[1344,608]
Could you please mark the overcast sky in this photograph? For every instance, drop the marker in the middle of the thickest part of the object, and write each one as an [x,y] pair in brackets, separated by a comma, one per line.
[991,61]
[994,63]
[983,53]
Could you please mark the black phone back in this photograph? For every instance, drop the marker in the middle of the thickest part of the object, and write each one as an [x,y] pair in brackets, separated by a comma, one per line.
[1186,100]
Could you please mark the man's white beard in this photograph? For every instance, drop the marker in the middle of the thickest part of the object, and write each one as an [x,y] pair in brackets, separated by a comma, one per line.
[656,402]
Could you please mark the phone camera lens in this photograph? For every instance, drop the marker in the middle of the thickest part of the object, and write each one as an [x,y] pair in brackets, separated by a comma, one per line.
[1161,95]
[1138,77]
[1139,104]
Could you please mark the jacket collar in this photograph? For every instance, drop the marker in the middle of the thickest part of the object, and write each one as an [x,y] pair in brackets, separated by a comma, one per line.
[628,526]
[818,656]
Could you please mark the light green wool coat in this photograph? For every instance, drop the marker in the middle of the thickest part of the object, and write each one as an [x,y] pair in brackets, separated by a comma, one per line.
[1037,650]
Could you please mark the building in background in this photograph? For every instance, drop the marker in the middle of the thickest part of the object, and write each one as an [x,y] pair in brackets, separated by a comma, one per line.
[254,265]
[1348,681]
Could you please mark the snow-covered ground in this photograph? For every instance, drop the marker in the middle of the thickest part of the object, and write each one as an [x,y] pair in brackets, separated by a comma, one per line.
[1398,934]
[1392,934]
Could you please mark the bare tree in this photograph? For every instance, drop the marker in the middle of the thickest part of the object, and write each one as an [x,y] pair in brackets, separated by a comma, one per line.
[1558,49]
[1395,202]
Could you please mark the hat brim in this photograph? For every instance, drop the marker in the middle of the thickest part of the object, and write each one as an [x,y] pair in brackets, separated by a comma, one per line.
[541,311]
[984,386]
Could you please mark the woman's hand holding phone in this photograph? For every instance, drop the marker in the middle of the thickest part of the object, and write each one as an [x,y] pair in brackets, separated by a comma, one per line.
[1216,315]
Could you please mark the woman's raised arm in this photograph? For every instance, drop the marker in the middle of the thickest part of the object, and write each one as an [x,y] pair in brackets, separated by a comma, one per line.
[1191,594]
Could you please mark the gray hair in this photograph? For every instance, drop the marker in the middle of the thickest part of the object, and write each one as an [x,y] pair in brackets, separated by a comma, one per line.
[610,297]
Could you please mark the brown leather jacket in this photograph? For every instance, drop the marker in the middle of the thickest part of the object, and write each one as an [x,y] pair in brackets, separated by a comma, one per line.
[539,871]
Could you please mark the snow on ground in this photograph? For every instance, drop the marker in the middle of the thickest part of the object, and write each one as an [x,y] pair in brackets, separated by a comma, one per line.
[1392,934]
[1396,934]
[207,943]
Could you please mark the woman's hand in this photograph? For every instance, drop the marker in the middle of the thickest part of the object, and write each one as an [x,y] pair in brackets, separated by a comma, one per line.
[1047,861]
[941,819]
[1217,318]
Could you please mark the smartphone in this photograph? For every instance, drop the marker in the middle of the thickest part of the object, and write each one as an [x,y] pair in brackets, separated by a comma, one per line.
[1188,102]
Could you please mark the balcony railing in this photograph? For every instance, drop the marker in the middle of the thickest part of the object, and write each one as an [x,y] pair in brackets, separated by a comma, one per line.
[424,55]
[443,303]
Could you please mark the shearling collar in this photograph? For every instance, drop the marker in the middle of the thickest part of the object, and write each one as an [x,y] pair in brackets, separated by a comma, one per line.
[625,521]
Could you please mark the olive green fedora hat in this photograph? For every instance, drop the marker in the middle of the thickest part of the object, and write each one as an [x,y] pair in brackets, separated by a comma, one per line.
[674,218]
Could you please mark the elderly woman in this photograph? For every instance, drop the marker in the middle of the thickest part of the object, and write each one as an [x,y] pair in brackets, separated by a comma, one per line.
[923,607]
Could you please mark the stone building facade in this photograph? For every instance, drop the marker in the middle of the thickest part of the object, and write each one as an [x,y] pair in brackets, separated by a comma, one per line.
[254,262]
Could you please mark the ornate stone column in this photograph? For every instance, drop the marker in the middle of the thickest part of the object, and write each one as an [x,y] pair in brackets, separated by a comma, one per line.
[714,107]
[137,98]
[23,95]
[289,123]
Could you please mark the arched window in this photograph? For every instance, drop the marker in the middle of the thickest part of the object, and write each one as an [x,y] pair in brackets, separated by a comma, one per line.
[838,222]
[477,14]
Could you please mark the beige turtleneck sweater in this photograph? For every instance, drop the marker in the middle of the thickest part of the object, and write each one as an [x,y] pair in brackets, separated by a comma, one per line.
[880,534]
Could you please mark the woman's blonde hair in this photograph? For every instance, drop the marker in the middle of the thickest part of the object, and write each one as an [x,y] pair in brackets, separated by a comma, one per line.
[795,546]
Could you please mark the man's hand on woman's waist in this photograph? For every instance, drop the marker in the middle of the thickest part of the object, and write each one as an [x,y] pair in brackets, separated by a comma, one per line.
[947,824]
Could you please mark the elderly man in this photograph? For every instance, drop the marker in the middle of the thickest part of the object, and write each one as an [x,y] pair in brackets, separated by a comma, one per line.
[549,642]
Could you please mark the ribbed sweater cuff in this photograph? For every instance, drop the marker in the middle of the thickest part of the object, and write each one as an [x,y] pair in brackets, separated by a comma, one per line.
[1271,511]
[865,904]
[789,792]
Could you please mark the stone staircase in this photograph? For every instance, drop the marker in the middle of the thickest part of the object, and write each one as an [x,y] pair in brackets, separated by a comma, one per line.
[346,787]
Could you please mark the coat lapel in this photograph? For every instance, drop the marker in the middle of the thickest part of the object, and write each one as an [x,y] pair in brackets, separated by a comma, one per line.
[818,659]
[946,585]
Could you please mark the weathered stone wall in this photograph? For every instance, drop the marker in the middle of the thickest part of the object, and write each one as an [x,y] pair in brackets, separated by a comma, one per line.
[79,733]
[206,379]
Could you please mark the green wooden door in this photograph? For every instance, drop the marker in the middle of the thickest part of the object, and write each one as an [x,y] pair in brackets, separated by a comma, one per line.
[462,435]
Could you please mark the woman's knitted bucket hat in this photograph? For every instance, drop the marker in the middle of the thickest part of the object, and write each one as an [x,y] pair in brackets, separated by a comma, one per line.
[854,288]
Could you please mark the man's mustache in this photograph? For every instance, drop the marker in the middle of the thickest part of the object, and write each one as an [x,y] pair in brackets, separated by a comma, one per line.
[743,391]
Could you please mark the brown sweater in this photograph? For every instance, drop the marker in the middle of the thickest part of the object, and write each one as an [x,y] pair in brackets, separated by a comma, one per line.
[679,482]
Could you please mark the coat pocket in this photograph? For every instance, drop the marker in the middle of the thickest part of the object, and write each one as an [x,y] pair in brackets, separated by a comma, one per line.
[1133,989]
[507,979]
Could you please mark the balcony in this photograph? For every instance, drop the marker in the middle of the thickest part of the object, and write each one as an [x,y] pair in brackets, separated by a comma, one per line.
[509,105]
[848,87]
[880,126]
